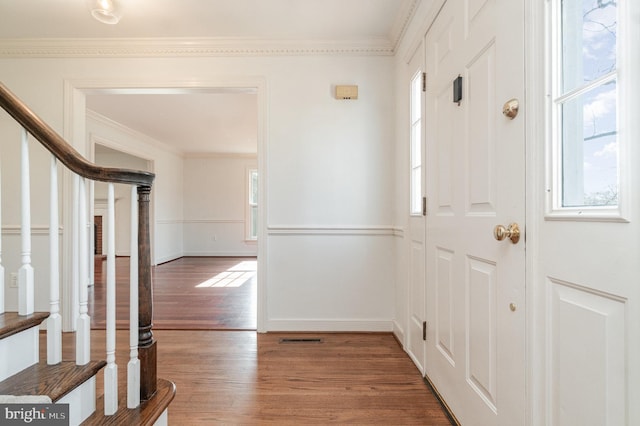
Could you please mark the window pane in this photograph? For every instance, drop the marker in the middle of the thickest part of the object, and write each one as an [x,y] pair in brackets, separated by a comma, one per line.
[253,188]
[254,222]
[590,149]
[416,88]
[588,41]
[252,212]
[416,145]
[416,148]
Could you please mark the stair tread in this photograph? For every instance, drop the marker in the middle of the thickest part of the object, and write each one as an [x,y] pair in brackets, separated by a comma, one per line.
[146,414]
[11,323]
[54,381]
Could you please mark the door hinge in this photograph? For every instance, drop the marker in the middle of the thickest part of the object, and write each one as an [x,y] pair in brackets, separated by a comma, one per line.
[424,81]
[424,206]
[424,330]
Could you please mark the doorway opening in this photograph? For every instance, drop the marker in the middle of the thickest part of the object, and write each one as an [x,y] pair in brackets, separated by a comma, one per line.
[202,235]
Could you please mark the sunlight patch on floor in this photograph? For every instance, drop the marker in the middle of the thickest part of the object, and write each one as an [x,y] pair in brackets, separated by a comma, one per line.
[246,265]
[235,276]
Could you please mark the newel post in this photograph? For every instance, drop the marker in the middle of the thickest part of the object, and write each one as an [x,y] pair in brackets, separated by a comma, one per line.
[147,345]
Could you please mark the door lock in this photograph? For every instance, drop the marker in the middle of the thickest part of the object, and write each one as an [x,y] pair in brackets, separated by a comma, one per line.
[510,108]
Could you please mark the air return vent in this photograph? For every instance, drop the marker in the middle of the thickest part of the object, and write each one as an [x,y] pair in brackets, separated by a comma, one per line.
[300,340]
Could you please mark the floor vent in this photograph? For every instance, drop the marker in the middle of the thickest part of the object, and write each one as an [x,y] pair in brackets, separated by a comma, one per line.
[300,340]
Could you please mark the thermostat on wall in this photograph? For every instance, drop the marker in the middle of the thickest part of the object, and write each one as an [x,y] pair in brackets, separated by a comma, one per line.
[346,92]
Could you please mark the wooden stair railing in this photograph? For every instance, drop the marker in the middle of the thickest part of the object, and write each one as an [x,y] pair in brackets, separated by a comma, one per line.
[77,164]
[63,151]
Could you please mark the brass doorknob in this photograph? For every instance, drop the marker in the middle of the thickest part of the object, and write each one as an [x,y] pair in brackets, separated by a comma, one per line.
[511,232]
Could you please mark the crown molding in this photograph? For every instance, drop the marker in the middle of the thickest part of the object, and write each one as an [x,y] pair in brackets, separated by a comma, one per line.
[220,155]
[106,121]
[402,23]
[187,47]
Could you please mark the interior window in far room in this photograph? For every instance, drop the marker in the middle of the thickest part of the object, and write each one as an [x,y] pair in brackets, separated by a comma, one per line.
[252,208]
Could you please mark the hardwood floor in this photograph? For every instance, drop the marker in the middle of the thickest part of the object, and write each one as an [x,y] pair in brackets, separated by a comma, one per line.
[197,293]
[242,377]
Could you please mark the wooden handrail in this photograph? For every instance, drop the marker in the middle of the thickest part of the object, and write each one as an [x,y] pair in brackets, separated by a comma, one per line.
[73,160]
[62,150]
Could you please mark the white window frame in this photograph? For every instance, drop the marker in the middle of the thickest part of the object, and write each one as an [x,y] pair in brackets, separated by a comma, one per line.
[554,209]
[415,158]
[251,206]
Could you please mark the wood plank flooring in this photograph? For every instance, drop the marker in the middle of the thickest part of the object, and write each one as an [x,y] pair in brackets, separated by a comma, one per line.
[245,378]
[190,293]
[242,377]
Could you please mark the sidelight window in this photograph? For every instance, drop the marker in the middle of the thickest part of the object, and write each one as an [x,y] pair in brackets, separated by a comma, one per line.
[585,104]
[416,145]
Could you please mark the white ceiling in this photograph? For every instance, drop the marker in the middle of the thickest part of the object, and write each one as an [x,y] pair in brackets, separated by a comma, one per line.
[223,122]
[218,121]
[261,19]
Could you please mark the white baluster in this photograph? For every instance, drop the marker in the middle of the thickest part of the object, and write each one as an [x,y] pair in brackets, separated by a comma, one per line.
[111,370]
[1,267]
[83,326]
[92,230]
[54,322]
[25,273]
[75,251]
[133,368]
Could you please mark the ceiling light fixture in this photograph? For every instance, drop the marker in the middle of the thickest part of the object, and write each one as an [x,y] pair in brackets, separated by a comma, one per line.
[105,11]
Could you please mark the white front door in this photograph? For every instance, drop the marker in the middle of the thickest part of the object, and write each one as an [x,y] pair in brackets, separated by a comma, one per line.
[415,344]
[587,347]
[475,180]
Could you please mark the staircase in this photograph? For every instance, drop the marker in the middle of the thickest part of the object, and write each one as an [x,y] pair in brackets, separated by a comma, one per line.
[142,399]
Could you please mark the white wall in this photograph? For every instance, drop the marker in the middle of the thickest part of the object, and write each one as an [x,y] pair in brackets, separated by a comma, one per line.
[215,204]
[328,173]
[166,195]
[330,182]
[122,195]
[11,218]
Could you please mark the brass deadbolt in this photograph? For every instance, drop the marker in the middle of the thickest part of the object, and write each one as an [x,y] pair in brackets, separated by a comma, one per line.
[510,108]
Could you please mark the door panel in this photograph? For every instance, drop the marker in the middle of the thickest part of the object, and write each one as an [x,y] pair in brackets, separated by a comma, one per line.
[588,335]
[475,178]
[481,299]
[481,133]
[444,306]
[444,178]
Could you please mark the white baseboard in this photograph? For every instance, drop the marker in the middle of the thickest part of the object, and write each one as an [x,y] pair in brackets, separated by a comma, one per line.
[223,253]
[398,331]
[166,259]
[169,258]
[328,326]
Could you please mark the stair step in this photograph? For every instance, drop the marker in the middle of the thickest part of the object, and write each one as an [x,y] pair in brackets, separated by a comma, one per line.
[11,323]
[146,414]
[54,381]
